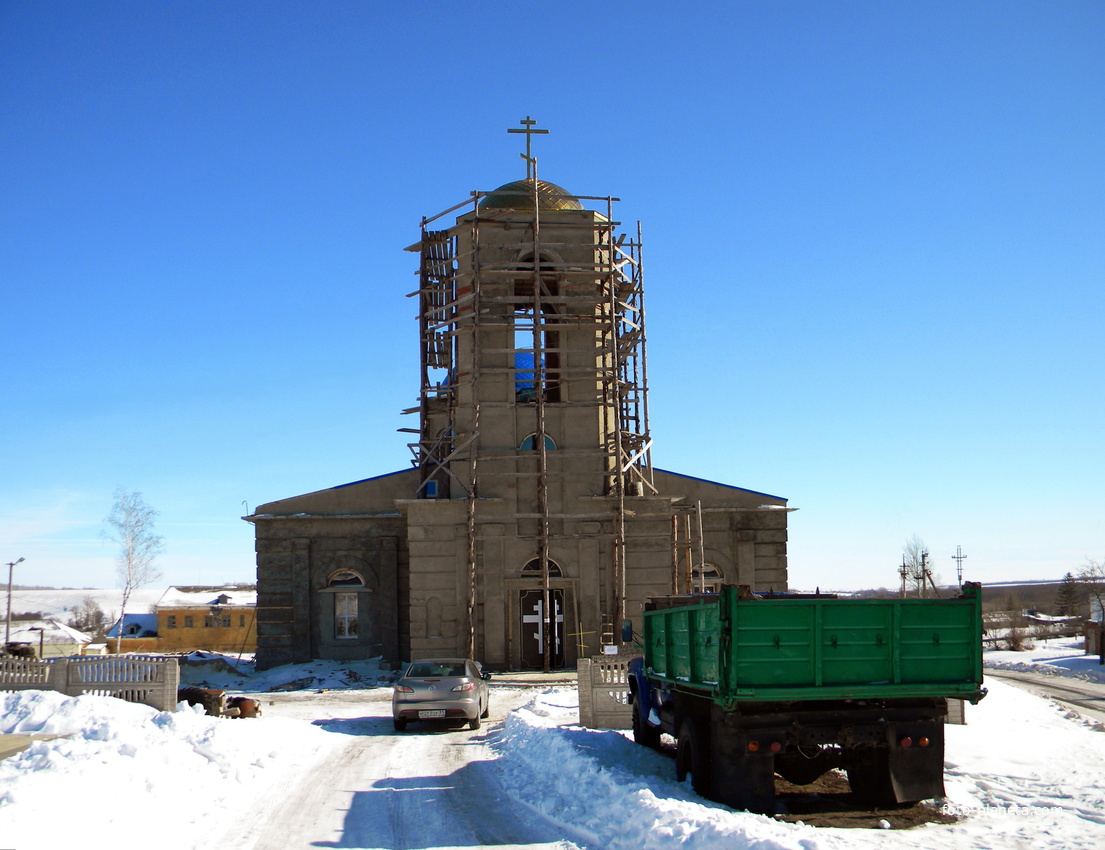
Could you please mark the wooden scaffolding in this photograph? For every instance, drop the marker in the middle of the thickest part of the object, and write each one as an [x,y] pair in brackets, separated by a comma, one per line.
[461,293]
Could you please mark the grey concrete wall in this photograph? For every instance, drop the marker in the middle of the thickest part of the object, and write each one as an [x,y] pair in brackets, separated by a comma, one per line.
[302,541]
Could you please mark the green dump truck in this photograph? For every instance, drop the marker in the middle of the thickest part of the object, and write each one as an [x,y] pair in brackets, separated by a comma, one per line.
[753,685]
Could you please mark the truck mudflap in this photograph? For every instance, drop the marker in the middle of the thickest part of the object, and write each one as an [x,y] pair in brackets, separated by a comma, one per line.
[916,760]
[743,780]
[907,768]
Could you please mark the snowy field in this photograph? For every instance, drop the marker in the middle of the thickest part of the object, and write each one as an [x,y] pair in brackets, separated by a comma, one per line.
[1023,773]
[60,604]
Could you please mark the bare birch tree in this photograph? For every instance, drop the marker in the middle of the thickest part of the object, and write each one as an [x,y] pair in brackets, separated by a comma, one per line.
[1092,579]
[131,528]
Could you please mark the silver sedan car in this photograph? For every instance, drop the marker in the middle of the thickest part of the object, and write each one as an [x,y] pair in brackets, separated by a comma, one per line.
[441,689]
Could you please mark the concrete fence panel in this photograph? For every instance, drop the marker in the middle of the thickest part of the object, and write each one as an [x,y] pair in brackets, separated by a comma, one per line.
[150,681]
[26,674]
[604,691]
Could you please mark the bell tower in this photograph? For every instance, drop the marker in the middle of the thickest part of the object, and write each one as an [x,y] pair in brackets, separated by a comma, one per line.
[533,412]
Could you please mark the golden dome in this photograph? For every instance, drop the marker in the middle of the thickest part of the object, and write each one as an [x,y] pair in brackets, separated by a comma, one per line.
[518,195]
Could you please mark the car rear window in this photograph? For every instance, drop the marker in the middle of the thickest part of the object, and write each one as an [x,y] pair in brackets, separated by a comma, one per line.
[431,671]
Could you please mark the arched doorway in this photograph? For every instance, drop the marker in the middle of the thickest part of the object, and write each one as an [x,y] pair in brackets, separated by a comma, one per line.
[542,619]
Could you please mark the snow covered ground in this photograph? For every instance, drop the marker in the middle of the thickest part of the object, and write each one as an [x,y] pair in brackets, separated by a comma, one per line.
[1023,773]
[130,776]
[1054,657]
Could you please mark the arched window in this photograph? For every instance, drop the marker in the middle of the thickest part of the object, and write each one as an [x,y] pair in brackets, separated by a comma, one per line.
[346,603]
[532,569]
[708,579]
[346,578]
[529,444]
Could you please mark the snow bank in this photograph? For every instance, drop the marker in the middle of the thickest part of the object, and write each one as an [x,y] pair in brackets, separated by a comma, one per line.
[127,771]
[606,791]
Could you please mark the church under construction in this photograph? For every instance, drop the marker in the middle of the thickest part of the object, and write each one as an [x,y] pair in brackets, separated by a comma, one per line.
[531,520]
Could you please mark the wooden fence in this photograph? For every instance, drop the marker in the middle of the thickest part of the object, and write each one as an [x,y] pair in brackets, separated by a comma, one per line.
[150,681]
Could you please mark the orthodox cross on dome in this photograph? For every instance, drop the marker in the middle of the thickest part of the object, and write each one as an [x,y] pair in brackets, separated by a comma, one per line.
[528,128]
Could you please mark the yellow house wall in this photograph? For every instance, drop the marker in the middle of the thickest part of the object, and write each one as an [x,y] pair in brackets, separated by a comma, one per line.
[144,644]
[182,638]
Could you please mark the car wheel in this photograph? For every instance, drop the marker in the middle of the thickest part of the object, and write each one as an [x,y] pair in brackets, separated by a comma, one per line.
[474,723]
[487,708]
[400,724]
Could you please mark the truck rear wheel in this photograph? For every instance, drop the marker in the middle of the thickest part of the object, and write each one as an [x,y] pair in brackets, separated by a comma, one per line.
[644,734]
[692,756]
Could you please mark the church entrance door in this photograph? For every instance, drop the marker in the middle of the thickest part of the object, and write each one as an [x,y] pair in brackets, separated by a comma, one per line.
[541,622]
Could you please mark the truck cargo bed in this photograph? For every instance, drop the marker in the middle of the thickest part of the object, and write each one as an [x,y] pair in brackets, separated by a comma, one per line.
[737,647]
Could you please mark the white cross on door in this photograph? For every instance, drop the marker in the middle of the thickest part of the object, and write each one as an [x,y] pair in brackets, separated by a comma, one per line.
[537,618]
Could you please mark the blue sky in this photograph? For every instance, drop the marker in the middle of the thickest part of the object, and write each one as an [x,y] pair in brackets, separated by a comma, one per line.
[874,257]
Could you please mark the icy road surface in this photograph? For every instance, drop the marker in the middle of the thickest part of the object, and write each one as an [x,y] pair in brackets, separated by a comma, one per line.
[431,786]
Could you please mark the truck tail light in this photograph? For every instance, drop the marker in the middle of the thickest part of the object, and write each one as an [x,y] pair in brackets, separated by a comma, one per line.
[906,742]
[922,742]
[754,746]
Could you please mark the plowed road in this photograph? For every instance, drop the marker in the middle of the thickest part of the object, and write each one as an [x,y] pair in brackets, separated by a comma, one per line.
[428,787]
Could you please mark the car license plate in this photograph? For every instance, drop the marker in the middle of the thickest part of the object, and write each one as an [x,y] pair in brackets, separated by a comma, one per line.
[437,712]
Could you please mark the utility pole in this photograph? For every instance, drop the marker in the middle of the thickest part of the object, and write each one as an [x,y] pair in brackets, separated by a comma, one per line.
[8,630]
[926,575]
[959,558]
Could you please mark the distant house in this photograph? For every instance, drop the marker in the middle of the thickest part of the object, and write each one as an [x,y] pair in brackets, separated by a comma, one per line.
[139,633]
[49,638]
[1092,628]
[217,619]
